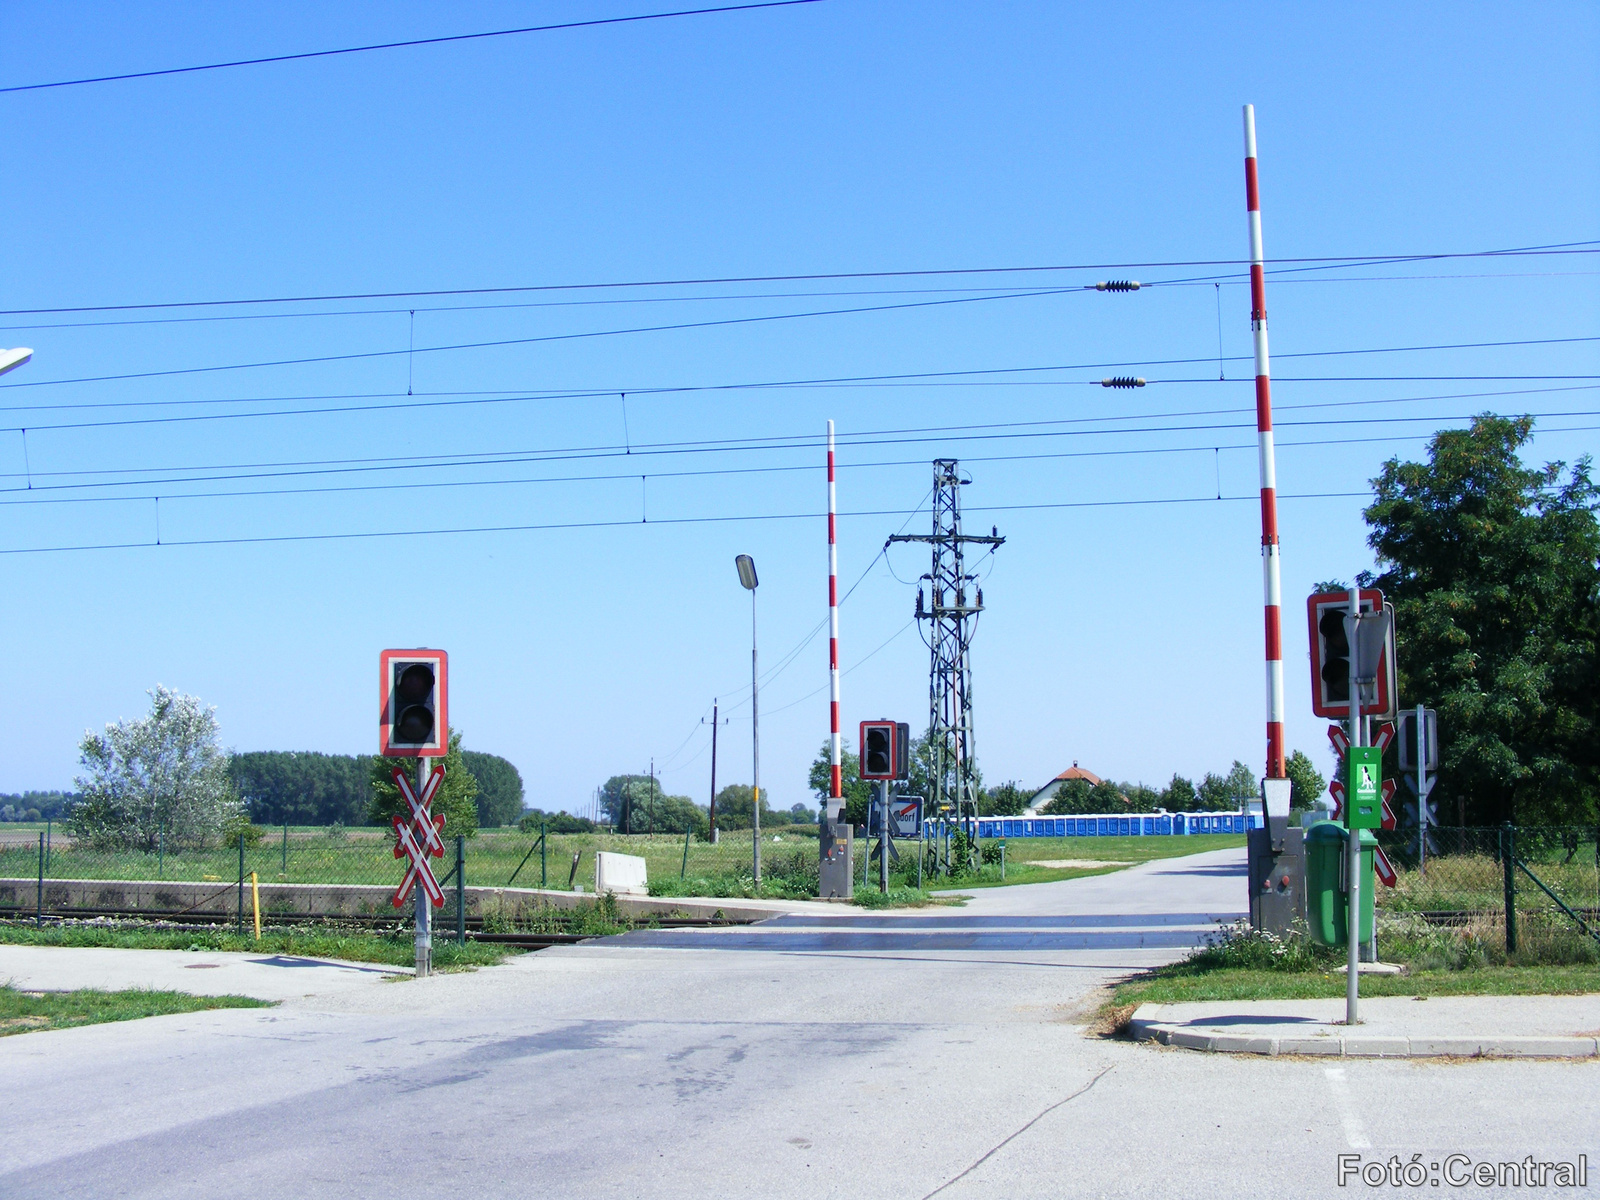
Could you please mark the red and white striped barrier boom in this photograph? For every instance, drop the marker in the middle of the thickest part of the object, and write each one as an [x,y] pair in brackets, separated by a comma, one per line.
[1276,768]
[836,783]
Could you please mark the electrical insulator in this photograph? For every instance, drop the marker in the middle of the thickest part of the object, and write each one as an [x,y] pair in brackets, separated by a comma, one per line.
[920,609]
[1123,381]
[1117,285]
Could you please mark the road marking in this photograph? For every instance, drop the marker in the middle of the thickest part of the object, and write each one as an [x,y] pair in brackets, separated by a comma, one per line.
[1353,1131]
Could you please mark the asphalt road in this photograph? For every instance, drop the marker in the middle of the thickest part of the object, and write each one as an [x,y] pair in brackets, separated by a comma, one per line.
[936,1053]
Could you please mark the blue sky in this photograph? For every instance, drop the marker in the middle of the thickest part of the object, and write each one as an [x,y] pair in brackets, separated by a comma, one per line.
[820,139]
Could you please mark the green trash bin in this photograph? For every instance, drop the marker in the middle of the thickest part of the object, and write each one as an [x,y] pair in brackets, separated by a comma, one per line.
[1325,844]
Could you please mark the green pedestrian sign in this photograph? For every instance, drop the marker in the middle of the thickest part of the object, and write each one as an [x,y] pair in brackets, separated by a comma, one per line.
[1364,787]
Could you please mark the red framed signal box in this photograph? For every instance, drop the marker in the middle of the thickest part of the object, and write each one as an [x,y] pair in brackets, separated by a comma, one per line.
[1331,697]
[413,709]
[877,749]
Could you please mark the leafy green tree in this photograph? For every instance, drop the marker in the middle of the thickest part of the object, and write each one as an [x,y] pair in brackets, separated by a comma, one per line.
[1492,569]
[46,804]
[1224,793]
[802,814]
[163,776]
[1141,798]
[636,804]
[499,788]
[556,822]
[456,798]
[1075,796]
[1179,795]
[857,791]
[1305,781]
[734,810]
[1003,800]
[301,787]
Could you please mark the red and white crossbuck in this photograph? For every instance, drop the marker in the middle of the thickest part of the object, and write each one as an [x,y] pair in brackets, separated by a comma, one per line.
[418,838]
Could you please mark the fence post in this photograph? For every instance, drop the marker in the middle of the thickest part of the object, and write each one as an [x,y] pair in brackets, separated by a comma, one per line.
[1508,855]
[461,889]
[284,866]
[683,871]
[48,823]
[544,854]
[38,897]
[161,849]
[240,836]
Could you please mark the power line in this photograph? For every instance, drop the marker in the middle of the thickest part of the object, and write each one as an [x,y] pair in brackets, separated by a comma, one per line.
[433,41]
[497,343]
[1236,279]
[1335,261]
[924,378]
[266,539]
[1006,430]
[857,380]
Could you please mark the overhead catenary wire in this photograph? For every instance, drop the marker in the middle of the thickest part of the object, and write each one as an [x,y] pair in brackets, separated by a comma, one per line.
[1552,248]
[410,43]
[1006,431]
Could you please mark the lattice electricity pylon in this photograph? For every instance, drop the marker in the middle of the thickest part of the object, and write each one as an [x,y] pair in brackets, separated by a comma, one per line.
[950,605]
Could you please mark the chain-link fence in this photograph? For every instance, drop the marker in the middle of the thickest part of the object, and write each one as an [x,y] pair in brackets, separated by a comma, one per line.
[1525,888]
[296,874]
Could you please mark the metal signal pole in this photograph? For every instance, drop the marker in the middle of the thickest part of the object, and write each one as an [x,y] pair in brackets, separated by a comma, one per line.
[424,941]
[1276,766]
[713,807]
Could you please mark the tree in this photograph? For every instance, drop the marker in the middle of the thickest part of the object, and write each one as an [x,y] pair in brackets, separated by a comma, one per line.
[301,787]
[1003,800]
[556,822]
[636,804]
[1140,797]
[1305,781]
[1179,795]
[1224,793]
[1494,571]
[802,814]
[163,777]
[499,788]
[456,798]
[1075,796]
[734,807]
[857,791]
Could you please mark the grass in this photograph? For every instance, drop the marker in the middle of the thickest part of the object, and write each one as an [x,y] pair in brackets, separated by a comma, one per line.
[29,1012]
[393,947]
[1553,958]
[364,856]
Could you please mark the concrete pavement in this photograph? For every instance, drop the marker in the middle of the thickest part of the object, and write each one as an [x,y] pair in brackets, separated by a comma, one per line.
[718,1066]
[1390,1027]
[200,973]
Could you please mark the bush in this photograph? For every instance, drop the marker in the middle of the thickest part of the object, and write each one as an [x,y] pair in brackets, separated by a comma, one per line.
[251,834]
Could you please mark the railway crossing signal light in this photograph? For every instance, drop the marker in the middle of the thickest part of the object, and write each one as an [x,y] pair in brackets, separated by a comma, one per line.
[877,749]
[1331,651]
[413,720]
[902,749]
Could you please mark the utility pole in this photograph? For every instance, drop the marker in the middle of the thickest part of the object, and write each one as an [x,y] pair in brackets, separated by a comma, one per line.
[424,937]
[951,607]
[713,771]
[652,809]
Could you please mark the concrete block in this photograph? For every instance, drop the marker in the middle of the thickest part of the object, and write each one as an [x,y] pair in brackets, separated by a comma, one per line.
[1538,1047]
[1446,1047]
[1310,1045]
[1376,1047]
[1191,1039]
[620,874]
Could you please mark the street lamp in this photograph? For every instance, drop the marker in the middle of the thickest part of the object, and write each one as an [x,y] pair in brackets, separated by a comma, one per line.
[747,578]
[10,360]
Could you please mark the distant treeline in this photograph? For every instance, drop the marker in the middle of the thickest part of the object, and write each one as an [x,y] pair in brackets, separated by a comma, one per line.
[303,787]
[36,806]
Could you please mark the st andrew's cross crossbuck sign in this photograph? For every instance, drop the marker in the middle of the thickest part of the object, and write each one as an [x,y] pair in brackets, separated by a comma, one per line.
[418,838]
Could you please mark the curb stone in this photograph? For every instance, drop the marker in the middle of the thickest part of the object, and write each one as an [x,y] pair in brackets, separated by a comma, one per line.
[1145,1027]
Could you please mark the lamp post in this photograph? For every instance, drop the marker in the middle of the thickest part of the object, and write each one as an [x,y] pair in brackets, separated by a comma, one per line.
[747,578]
